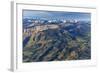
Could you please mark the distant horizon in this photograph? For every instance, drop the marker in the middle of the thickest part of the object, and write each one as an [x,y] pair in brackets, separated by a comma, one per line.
[56,15]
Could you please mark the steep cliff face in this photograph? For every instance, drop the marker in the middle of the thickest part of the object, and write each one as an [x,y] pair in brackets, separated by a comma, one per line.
[65,43]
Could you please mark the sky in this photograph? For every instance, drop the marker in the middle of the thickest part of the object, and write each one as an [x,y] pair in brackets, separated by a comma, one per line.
[50,15]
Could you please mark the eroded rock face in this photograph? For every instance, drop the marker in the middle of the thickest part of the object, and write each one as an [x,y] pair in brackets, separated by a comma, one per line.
[64,43]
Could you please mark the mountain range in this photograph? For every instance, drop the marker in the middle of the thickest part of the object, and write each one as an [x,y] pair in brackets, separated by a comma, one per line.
[69,41]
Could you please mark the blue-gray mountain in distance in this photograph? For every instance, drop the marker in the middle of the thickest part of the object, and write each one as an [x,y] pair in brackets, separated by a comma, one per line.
[50,15]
